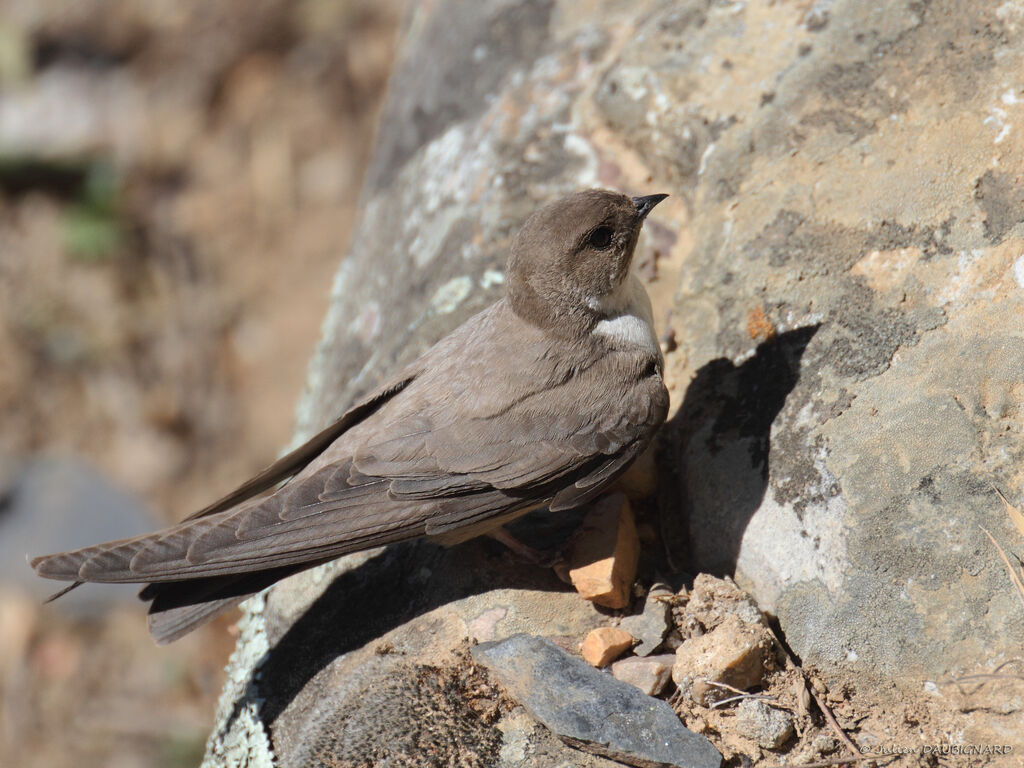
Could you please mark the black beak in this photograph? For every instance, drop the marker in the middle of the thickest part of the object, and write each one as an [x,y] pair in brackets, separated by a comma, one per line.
[645,205]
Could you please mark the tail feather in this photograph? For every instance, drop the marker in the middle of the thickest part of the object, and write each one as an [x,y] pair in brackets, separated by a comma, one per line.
[169,624]
[62,592]
[178,607]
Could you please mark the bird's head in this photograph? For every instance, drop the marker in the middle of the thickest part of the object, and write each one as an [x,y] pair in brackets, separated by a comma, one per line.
[571,258]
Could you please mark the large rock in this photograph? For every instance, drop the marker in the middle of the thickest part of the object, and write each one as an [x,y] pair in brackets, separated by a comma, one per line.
[842,258]
[591,710]
[851,308]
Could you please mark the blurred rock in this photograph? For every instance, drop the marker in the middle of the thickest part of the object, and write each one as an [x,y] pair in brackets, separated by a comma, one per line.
[604,553]
[651,624]
[733,653]
[592,710]
[55,504]
[68,113]
[641,479]
[650,674]
[605,644]
[18,616]
[769,726]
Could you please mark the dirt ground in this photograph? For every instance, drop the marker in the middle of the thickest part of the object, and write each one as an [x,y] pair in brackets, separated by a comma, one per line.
[178,181]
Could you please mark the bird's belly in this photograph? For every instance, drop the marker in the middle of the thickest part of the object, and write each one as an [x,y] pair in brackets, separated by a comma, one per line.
[469,531]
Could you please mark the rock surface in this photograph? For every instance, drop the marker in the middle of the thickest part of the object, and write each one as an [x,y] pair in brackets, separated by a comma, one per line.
[843,260]
[850,311]
[592,710]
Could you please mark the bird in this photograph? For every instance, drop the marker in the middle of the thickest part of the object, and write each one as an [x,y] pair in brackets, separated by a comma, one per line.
[541,400]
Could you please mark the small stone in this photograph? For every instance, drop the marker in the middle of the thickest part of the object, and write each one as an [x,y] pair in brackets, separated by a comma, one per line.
[824,744]
[605,644]
[648,673]
[733,653]
[712,599]
[603,557]
[672,641]
[763,723]
[590,710]
[651,625]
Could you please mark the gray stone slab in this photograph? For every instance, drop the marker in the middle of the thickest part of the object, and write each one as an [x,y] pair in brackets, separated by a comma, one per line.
[592,710]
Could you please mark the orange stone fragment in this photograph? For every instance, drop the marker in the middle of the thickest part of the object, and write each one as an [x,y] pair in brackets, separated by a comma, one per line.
[605,644]
[603,557]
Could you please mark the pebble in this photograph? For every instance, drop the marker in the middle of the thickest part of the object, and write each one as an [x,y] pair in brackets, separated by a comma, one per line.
[733,653]
[768,726]
[604,554]
[605,644]
[650,625]
[648,673]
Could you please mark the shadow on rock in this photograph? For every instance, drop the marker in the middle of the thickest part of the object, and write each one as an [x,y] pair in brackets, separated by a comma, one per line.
[715,452]
[403,582]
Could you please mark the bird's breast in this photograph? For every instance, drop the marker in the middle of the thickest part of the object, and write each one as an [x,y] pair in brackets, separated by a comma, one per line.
[629,320]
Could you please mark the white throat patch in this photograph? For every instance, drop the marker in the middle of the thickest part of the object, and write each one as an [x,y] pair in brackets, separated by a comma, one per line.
[628,318]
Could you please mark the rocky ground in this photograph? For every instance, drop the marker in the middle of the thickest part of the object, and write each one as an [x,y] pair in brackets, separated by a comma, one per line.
[177,186]
[702,647]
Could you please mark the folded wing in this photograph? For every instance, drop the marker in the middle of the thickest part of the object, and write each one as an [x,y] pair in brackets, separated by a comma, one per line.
[459,439]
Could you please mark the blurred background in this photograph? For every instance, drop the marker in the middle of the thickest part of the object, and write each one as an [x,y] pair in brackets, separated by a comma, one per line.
[178,180]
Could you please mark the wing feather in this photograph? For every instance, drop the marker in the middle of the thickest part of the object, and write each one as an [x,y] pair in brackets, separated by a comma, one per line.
[458,441]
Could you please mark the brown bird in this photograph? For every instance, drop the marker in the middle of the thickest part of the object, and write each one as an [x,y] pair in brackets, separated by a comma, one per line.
[544,398]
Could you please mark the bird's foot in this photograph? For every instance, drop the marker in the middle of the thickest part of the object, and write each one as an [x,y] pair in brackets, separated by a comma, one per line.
[539,557]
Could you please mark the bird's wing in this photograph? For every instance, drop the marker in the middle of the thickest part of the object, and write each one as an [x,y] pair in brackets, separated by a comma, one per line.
[546,421]
[485,429]
[295,461]
[112,561]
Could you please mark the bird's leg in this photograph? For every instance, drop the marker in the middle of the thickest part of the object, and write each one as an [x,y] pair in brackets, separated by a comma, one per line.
[542,558]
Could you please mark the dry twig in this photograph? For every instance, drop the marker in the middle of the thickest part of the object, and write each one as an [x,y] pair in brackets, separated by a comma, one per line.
[829,717]
[740,695]
[1015,514]
[1013,575]
[995,674]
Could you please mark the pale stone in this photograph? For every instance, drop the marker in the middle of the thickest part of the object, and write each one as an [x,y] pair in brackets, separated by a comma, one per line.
[733,653]
[768,726]
[648,673]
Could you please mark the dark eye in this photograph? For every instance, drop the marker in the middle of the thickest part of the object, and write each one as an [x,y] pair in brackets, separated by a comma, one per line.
[600,237]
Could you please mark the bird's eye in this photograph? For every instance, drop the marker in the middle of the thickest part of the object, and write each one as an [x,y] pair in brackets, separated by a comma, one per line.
[600,237]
